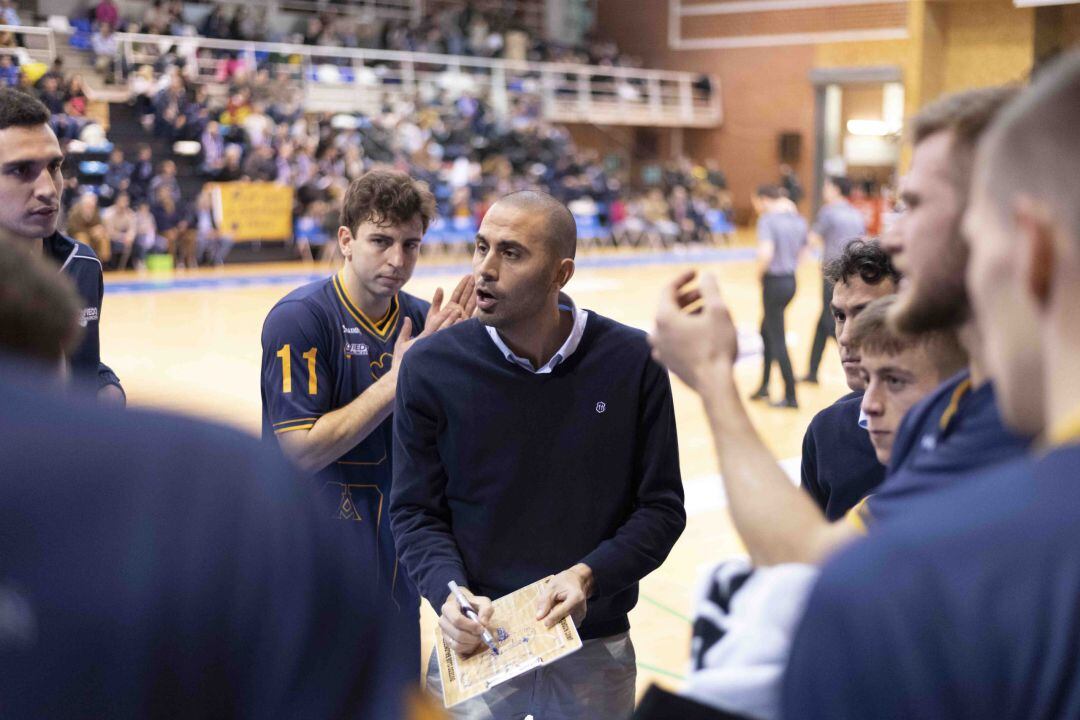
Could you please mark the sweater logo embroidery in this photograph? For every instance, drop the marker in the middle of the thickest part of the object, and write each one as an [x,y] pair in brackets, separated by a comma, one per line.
[601,407]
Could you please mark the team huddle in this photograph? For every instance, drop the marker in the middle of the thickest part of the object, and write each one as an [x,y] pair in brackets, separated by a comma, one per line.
[926,565]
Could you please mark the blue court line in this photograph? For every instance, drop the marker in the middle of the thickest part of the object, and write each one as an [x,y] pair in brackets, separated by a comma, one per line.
[187,284]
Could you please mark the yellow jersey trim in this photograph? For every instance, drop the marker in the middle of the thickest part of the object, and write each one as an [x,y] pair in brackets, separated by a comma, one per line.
[859,517]
[290,422]
[280,431]
[1066,431]
[380,328]
[954,404]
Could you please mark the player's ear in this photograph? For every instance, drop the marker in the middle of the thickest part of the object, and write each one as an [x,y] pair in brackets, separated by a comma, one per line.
[565,272]
[1036,238]
[345,240]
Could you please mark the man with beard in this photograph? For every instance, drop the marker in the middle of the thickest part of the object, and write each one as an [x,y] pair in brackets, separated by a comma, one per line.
[953,432]
[975,616]
[535,440]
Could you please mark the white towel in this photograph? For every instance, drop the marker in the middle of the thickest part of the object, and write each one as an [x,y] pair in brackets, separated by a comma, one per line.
[744,621]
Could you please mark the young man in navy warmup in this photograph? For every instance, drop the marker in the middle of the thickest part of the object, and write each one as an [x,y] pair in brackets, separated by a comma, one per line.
[331,355]
[975,616]
[30,191]
[536,440]
[839,465]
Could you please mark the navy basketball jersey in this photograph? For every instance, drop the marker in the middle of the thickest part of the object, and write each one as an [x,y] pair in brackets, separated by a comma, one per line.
[319,353]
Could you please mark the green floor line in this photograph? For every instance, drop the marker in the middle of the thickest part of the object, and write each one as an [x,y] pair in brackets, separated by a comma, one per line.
[661,671]
[665,608]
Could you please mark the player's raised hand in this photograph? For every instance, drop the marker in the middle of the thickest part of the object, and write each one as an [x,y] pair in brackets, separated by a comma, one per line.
[464,296]
[565,594]
[463,634]
[694,330]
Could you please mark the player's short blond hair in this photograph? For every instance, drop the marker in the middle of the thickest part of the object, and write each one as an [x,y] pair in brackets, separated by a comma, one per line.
[872,332]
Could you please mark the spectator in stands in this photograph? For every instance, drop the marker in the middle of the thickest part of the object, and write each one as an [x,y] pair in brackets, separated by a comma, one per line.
[75,100]
[169,105]
[660,229]
[210,243]
[143,89]
[685,215]
[9,71]
[258,126]
[117,177]
[174,226]
[231,170]
[106,50]
[215,25]
[157,20]
[715,175]
[106,13]
[260,165]
[166,180]
[237,108]
[120,226]
[9,15]
[213,149]
[51,94]
[147,239]
[85,225]
[284,99]
[283,163]
[141,175]
[194,115]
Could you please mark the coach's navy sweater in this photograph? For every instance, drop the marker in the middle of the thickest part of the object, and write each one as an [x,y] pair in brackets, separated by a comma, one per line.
[503,477]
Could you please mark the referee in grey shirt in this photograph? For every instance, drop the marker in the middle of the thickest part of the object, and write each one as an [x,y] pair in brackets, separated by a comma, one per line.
[837,224]
[781,233]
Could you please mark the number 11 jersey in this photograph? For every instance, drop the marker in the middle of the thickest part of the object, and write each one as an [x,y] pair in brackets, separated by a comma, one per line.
[319,353]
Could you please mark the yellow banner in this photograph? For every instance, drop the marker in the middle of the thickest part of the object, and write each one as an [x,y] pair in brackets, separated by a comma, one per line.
[248,211]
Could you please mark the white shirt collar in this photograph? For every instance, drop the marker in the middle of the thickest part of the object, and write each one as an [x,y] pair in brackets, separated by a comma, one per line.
[864,421]
[567,349]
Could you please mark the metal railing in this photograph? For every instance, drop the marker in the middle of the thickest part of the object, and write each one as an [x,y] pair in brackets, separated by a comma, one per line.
[411,10]
[39,43]
[355,79]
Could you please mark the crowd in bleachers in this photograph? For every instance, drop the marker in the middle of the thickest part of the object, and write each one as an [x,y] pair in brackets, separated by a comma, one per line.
[455,28]
[257,130]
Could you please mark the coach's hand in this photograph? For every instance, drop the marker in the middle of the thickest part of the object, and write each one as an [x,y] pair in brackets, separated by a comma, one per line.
[462,634]
[695,336]
[566,594]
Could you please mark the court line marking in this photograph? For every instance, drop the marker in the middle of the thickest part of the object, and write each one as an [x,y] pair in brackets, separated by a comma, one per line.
[705,493]
[182,284]
[665,608]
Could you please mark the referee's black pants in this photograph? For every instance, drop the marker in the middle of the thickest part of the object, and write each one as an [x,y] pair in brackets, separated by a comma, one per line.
[777,292]
[826,328]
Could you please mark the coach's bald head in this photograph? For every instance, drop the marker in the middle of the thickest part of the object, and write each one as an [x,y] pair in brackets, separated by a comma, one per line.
[559,230]
[524,256]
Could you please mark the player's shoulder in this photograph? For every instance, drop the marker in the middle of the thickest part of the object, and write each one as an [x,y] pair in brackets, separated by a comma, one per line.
[72,256]
[306,305]
[845,406]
